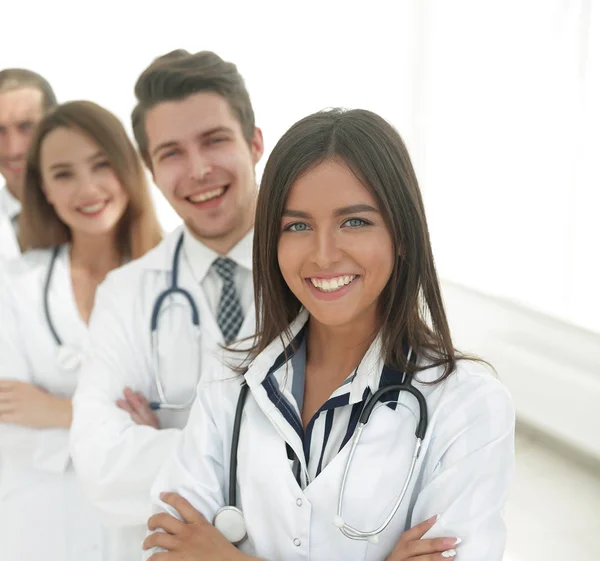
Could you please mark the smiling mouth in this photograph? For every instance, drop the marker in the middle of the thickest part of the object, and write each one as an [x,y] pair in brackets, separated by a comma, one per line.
[208,195]
[93,209]
[332,284]
[15,166]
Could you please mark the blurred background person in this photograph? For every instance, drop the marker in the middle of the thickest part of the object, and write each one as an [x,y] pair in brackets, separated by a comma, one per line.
[86,210]
[24,98]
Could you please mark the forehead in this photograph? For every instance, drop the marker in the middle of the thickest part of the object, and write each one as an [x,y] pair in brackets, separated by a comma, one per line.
[23,104]
[182,120]
[329,185]
[66,145]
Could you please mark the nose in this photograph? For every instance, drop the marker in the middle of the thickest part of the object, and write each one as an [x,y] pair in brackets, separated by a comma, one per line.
[326,251]
[87,183]
[199,166]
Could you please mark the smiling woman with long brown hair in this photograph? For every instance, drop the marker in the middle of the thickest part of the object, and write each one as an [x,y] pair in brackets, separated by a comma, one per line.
[357,431]
[86,209]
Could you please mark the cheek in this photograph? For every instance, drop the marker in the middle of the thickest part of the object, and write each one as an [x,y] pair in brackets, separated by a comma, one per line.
[382,263]
[61,203]
[289,259]
[115,187]
[235,162]
[377,259]
[55,195]
[167,177]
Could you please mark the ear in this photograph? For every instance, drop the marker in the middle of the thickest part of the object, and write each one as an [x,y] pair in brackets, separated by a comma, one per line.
[257,145]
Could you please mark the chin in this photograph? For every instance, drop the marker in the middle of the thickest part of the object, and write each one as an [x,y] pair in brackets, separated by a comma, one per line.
[331,318]
[100,228]
[210,229]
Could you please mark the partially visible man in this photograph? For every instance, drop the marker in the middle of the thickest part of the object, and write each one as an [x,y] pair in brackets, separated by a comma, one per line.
[24,98]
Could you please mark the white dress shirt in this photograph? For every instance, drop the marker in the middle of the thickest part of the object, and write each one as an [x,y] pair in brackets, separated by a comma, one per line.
[200,259]
[10,208]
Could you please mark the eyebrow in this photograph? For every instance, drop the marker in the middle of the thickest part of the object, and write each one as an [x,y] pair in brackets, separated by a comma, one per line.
[352,209]
[93,157]
[18,123]
[163,145]
[214,130]
[173,143]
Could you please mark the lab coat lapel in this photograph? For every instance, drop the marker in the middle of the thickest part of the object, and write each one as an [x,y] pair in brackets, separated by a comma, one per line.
[377,473]
[274,401]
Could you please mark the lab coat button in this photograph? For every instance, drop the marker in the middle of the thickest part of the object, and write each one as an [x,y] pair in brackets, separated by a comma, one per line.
[297,542]
[299,502]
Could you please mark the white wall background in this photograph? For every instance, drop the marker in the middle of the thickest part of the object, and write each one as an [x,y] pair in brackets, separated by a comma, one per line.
[499,103]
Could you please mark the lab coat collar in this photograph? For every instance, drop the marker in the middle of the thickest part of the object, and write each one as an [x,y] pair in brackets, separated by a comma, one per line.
[270,379]
[9,205]
[161,257]
[274,356]
[200,257]
[370,373]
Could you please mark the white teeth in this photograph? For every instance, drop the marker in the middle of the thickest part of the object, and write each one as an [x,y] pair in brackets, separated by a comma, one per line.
[203,197]
[91,209]
[331,285]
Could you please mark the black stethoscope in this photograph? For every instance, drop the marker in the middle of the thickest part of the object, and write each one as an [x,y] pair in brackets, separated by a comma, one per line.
[68,358]
[229,520]
[163,403]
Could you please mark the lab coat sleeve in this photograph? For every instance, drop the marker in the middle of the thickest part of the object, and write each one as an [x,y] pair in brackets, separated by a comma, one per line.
[115,459]
[196,470]
[472,464]
[47,448]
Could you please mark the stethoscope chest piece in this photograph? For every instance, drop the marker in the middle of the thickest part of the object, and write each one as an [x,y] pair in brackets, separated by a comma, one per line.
[68,358]
[229,520]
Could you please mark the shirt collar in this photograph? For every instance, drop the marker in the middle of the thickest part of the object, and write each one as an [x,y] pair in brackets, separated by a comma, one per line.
[9,204]
[278,353]
[200,257]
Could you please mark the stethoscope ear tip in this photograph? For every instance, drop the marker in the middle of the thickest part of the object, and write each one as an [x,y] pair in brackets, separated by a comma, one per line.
[373,539]
[338,522]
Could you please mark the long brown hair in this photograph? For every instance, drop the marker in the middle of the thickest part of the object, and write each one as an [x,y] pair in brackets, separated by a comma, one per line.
[40,226]
[410,307]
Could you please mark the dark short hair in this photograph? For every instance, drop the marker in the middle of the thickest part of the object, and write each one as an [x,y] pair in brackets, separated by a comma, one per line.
[17,78]
[179,74]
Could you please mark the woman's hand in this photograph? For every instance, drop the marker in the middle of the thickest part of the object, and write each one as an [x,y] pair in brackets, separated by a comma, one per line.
[411,547]
[138,408]
[190,540]
[22,403]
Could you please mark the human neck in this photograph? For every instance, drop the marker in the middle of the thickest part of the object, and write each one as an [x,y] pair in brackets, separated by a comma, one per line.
[98,255]
[339,350]
[224,244]
[14,191]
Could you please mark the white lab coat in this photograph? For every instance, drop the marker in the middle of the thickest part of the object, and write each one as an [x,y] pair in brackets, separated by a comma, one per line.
[116,460]
[463,472]
[9,208]
[43,514]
